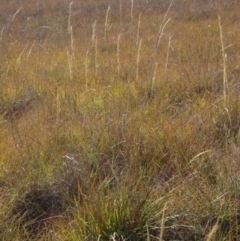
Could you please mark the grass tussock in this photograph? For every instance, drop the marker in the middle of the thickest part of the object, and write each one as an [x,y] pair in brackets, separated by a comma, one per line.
[119,120]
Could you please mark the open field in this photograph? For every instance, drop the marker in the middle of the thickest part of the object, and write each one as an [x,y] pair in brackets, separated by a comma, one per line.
[119,120]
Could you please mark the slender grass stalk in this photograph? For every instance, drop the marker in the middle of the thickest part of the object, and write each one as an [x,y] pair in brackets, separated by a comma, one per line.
[1,38]
[106,23]
[120,12]
[148,234]
[114,237]
[198,155]
[162,222]
[86,70]
[153,79]
[16,13]
[161,30]
[70,30]
[132,10]
[163,25]
[212,233]
[72,42]
[138,28]
[20,56]
[58,107]
[118,55]
[96,57]
[30,51]
[71,52]
[94,45]
[70,60]
[159,37]
[94,33]
[138,59]
[69,18]
[224,56]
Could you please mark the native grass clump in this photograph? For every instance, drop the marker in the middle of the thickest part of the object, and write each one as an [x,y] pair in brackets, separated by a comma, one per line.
[119,120]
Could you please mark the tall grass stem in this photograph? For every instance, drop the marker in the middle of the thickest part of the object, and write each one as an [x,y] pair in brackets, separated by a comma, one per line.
[1,37]
[211,234]
[94,33]
[86,70]
[16,13]
[96,56]
[120,12]
[118,55]
[70,60]
[138,59]
[29,52]
[138,28]
[71,52]
[132,10]
[153,79]
[20,56]
[224,57]
[162,223]
[69,18]
[106,22]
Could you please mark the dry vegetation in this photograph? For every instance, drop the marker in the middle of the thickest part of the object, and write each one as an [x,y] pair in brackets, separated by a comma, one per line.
[119,120]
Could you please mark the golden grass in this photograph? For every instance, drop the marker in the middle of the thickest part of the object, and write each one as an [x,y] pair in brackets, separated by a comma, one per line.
[126,113]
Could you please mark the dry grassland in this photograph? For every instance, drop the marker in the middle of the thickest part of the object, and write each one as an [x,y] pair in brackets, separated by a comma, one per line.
[119,120]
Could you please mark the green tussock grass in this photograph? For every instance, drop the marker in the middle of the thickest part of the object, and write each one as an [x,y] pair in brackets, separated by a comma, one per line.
[119,120]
